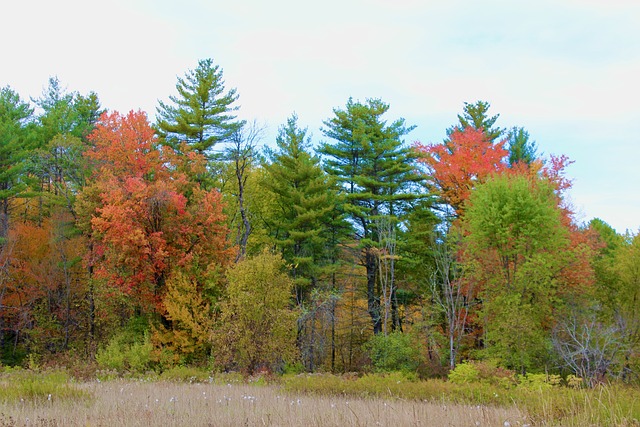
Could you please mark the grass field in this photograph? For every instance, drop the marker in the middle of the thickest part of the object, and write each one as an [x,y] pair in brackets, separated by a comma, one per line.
[54,399]
[129,403]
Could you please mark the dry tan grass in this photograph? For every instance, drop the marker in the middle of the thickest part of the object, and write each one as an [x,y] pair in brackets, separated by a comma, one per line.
[128,403]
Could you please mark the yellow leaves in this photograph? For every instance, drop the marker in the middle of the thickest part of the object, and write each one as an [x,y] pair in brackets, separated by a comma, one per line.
[190,316]
[257,327]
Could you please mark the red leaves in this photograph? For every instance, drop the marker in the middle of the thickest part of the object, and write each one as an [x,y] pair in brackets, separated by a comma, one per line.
[149,217]
[465,160]
[124,144]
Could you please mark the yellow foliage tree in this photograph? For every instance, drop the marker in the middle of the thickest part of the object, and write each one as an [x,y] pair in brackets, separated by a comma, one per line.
[257,325]
[191,321]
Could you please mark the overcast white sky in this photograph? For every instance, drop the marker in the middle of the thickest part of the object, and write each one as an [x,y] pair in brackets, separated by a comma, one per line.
[565,70]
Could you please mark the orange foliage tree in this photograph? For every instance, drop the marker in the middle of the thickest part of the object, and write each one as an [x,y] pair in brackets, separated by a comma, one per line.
[147,218]
[462,162]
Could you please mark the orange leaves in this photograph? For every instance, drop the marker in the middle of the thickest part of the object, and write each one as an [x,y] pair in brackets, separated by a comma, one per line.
[149,217]
[124,144]
[462,162]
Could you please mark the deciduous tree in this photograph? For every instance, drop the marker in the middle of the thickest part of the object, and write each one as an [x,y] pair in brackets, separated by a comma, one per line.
[515,229]
[256,328]
[149,219]
[467,159]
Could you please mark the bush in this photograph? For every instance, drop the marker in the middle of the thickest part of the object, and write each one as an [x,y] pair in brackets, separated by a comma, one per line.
[464,373]
[394,352]
[123,355]
[538,381]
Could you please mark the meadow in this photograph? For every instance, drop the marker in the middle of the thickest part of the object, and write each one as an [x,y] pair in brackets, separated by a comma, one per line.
[55,399]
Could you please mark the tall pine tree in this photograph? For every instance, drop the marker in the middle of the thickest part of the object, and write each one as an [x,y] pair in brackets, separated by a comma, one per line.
[14,117]
[475,116]
[307,225]
[202,114]
[306,201]
[376,173]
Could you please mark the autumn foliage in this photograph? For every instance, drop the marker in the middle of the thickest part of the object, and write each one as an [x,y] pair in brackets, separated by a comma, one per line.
[148,218]
[115,243]
[461,163]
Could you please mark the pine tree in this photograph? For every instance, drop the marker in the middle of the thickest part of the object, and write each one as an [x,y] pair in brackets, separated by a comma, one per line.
[202,113]
[521,148]
[306,201]
[376,173]
[14,117]
[475,116]
[66,113]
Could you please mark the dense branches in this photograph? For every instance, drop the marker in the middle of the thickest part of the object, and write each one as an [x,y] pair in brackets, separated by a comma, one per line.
[183,244]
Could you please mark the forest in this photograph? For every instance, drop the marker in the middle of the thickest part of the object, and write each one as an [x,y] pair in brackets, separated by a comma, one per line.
[138,246]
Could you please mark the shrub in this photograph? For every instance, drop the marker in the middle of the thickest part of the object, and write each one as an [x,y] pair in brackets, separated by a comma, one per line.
[464,373]
[538,381]
[123,355]
[394,352]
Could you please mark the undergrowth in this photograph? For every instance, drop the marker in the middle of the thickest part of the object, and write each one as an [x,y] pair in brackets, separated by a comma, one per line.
[34,386]
[614,404]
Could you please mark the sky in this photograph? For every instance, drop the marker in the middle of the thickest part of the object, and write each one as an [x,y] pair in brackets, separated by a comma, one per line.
[566,70]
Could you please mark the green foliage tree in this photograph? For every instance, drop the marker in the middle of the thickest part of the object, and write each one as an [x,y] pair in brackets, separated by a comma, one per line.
[66,113]
[256,326]
[609,243]
[394,352]
[627,267]
[516,233]
[15,115]
[306,200]
[475,116]
[521,148]
[306,225]
[376,173]
[202,113]
[64,122]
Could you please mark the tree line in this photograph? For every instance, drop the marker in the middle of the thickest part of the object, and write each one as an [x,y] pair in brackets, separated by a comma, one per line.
[148,245]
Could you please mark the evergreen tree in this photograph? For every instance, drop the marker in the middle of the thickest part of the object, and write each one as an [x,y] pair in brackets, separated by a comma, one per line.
[14,120]
[306,202]
[64,123]
[307,226]
[475,116]
[66,113]
[202,113]
[521,148]
[376,172]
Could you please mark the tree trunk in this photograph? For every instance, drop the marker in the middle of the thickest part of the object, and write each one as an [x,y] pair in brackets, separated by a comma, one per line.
[4,221]
[373,301]
[246,230]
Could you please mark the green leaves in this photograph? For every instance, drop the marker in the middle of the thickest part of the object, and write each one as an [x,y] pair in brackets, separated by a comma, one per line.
[515,233]
[202,113]
[307,212]
[515,215]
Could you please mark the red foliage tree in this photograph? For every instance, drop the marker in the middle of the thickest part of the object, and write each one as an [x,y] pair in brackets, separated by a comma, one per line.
[459,164]
[149,218]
